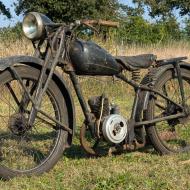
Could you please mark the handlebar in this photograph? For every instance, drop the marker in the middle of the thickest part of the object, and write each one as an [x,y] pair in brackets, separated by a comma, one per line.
[100,22]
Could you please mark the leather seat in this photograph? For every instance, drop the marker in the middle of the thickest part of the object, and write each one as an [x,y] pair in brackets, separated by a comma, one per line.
[133,63]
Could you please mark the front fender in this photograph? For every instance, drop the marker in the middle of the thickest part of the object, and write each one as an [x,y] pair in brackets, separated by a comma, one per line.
[37,63]
[22,59]
[150,80]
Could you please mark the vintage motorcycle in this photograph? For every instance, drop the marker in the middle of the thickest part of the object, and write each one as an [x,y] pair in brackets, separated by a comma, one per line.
[37,110]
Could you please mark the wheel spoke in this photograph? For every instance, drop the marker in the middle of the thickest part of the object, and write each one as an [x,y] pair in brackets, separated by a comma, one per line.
[7,103]
[24,148]
[176,91]
[171,135]
[160,106]
[13,94]
[41,120]
[25,99]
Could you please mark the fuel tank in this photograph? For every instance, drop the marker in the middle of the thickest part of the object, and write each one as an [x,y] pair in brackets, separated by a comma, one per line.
[90,59]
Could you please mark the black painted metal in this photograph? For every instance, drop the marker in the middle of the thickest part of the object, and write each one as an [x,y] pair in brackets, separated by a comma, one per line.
[41,88]
[80,96]
[181,86]
[170,61]
[135,103]
[90,59]
[176,116]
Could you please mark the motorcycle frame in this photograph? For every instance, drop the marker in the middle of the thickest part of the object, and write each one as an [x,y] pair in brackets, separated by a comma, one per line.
[41,88]
[138,89]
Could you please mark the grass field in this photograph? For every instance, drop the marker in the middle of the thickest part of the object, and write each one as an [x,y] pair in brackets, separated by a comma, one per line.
[139,170]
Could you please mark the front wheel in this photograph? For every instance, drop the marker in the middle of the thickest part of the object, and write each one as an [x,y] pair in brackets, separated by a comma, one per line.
[172,136]
[29,150]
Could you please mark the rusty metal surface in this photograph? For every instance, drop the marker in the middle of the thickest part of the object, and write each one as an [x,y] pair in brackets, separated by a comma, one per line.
[101,22]
[84,143]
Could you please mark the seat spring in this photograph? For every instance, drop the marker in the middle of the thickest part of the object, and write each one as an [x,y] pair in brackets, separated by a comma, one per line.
[136,75]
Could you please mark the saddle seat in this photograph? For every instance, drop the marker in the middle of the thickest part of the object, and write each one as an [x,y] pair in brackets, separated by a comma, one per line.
[133,63]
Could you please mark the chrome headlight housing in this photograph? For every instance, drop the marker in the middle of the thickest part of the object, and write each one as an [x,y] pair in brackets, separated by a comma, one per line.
[33,25]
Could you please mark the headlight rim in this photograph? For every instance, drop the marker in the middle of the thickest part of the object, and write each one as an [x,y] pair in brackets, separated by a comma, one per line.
[40,25]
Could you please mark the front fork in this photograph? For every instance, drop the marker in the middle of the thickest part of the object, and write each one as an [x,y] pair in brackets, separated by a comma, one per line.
[40,90]
[41,86]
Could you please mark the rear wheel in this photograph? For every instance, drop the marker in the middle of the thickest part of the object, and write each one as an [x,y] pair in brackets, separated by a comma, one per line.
[29,150]
[172,136]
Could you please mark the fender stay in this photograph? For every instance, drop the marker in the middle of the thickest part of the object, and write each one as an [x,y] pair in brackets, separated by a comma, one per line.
[150,80]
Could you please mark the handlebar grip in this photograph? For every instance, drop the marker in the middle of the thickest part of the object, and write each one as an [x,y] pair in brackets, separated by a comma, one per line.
[108,23]
[101,22]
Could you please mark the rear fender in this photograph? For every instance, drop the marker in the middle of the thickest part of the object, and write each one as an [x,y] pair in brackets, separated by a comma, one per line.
[150,80]
[37,63]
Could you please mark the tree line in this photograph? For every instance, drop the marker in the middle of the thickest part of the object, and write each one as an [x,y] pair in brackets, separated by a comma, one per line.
[134,27]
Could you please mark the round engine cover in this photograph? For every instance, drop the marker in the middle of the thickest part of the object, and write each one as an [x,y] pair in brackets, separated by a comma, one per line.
[114,128]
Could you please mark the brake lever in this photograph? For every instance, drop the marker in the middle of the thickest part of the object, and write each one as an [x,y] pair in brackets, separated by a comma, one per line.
[78,23]
[93,28]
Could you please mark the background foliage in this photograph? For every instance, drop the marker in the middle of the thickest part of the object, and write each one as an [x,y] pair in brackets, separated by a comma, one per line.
[67,10]
[4,10]
[135,28]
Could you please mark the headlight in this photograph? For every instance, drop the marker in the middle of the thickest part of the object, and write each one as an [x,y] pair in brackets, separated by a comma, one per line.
[33,25]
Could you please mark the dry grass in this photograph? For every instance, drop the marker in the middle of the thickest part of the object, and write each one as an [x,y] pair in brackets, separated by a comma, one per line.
[142,169]
[172,49]
[20,47]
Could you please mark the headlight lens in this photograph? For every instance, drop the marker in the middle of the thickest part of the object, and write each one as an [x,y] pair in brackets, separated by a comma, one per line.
[33,26]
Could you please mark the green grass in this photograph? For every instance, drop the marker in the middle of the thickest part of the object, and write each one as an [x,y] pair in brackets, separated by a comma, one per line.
[142,169]
[135,170]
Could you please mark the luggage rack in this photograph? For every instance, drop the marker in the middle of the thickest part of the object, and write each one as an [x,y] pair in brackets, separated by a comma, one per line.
[170,61]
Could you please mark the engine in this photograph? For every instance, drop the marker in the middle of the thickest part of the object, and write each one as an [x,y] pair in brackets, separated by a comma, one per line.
[109,123]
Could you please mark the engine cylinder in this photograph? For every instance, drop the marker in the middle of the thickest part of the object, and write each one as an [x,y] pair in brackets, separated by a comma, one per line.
[95,104]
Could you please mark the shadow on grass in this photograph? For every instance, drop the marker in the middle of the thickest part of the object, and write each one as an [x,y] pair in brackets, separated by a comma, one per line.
[75,152]
[147,149]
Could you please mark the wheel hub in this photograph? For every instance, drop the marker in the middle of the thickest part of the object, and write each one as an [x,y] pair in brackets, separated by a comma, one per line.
[18,124]
[171,110]
[186,119]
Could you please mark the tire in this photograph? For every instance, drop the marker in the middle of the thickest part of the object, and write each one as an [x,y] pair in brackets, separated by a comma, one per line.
[39,147]
[171,136]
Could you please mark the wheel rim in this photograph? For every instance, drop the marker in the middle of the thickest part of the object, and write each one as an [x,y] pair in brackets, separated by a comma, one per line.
[24,150]
[174,134]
